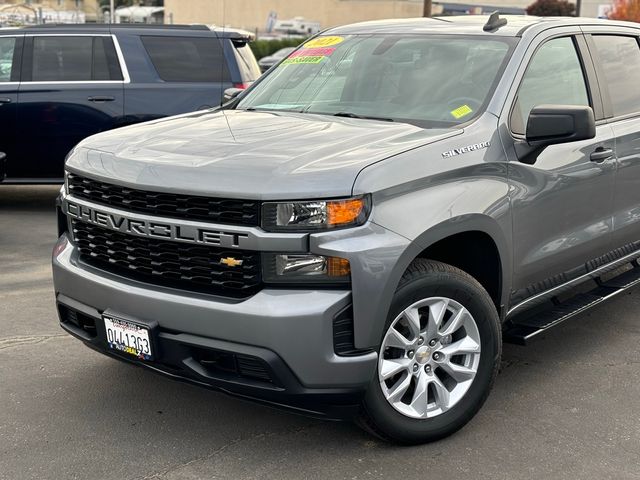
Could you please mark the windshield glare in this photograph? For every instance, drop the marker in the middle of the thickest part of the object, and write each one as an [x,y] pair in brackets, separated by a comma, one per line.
[430,81]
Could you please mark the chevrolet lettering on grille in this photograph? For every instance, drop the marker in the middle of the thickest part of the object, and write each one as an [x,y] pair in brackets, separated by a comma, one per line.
[154,229]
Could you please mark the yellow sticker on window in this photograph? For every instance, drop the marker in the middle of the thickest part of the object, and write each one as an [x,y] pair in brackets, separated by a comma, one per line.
[323,42]
[460,112]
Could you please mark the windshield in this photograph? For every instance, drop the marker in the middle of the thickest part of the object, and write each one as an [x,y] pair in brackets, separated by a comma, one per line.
[430,81]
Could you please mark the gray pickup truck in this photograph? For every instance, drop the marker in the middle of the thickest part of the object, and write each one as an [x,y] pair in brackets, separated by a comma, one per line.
[356,234]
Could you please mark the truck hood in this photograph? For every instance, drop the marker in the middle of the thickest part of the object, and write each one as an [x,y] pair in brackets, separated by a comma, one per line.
[243,154]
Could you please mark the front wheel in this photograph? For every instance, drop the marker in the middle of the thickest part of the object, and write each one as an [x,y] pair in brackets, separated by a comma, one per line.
[438,357]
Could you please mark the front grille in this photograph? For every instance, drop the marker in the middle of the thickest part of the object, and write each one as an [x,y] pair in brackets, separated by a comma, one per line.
[192,207]
[172,264]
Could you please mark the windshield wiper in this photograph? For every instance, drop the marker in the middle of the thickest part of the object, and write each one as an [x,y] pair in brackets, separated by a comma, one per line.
[366,117]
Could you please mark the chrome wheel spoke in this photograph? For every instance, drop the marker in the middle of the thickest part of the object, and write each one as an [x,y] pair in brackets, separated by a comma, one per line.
[420,401]
[441,393]
[396,340]
[461,347]
[413,319]
[436,313]
[399,389]
[392,367]
[456,322]
[459,373]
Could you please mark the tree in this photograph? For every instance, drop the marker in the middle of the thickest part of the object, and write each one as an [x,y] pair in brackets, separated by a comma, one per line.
[625,10]
[551,8]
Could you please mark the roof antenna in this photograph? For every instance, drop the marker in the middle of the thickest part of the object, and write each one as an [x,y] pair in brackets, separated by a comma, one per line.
[494,22]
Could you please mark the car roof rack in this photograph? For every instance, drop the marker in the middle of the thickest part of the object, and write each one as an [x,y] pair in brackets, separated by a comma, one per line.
[494,22]
[89,26]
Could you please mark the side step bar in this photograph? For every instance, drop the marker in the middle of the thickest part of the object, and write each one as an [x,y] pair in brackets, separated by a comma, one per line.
[524,327]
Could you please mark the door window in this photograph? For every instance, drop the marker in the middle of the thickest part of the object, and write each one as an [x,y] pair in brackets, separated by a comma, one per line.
[620,59]
[76,58]
[187,59]
[554,77]
[7,47]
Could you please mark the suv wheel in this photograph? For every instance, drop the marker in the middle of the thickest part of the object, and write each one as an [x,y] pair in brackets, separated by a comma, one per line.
[438,357]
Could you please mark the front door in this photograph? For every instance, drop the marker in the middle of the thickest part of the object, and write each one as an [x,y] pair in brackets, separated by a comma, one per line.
[72,87]
[562,204]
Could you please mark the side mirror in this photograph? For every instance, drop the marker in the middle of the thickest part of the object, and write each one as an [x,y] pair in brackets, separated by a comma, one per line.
[231,93]
[554,124]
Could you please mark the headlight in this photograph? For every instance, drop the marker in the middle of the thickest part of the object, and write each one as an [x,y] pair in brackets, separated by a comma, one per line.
[308,268]
[315,214]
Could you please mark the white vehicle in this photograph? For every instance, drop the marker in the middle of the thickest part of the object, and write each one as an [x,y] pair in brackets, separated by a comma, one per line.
[297,26]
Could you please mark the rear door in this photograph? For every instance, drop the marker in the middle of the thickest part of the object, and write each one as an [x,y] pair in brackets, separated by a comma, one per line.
[174,73]
[10,56]
[617,54]
[72,87]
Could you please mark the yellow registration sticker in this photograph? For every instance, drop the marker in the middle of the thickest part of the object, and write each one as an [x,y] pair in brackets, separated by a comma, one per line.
[323,42]
[462,111]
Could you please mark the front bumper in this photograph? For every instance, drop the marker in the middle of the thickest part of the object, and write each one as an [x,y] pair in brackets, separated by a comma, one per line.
[276,346]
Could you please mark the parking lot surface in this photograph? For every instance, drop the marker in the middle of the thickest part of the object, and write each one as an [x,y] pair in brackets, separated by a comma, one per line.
[566,407]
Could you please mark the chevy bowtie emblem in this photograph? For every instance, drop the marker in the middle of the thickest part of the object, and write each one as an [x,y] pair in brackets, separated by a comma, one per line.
[231,262]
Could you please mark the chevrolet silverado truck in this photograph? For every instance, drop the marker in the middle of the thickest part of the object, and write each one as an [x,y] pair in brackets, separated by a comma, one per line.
[355,235]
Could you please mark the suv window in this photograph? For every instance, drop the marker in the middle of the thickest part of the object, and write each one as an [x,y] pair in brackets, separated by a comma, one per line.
[74,59]
[187,59]
[247,64]
[554,76]
[620,59]
[7,47]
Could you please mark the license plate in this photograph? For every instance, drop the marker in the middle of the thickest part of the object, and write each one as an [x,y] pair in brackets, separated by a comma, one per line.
[128,337]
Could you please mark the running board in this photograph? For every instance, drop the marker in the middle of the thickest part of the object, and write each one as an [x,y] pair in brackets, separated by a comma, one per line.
[526,326]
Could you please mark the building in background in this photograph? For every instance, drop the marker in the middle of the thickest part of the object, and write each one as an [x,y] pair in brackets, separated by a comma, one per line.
[49,11]
[254,15]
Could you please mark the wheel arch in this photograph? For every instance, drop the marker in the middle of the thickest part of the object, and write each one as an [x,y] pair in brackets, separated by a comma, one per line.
[440,243]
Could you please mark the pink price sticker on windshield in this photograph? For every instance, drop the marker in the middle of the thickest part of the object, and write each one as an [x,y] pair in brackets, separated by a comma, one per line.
[313,52]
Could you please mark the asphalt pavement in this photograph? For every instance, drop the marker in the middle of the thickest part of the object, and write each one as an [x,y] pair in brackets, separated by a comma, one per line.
[566,407]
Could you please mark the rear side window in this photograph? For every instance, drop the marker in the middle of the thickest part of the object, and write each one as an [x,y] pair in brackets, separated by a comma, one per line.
[74,59]
[187,59]
[247,64]
[620,59]
[554,77]
[7,48]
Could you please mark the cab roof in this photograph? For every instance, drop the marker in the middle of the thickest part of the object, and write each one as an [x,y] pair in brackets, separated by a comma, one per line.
[466,25]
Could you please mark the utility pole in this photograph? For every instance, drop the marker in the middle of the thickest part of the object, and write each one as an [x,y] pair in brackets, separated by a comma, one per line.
[111,12]
[578,7]
[426,10]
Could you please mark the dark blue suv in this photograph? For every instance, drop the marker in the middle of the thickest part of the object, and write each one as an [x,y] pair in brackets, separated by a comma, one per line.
[61,84]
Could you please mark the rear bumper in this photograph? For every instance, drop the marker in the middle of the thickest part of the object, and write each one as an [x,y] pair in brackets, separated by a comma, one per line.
[275,347]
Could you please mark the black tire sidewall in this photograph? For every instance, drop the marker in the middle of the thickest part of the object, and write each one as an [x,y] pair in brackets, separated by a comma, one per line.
[466,291]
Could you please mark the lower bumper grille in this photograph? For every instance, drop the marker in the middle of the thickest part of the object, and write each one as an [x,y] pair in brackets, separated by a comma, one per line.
[172,264]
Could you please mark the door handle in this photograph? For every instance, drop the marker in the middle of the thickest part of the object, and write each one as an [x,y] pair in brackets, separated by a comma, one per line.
[601,154]
[4,100]
[99,98]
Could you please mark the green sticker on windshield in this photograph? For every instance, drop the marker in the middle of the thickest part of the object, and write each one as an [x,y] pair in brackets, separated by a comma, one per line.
[298,60]
[460,112]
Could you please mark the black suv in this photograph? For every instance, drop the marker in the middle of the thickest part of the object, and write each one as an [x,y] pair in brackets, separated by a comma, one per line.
[61,84]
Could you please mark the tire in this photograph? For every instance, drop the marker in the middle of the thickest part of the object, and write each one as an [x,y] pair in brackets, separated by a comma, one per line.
[428,413]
